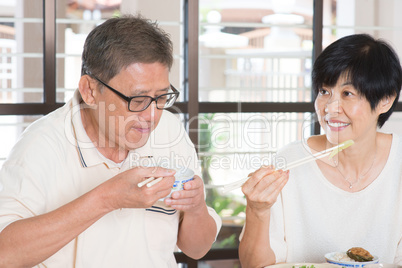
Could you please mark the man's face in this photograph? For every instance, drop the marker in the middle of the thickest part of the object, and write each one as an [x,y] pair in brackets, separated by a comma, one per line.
[119,127]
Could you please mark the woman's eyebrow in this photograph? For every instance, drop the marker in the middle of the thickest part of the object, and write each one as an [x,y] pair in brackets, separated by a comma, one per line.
[347,83]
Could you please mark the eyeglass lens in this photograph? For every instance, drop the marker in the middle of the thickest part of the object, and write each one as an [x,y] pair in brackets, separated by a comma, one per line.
[142,103]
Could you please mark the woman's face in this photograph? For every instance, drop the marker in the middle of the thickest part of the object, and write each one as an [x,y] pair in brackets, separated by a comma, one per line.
[344,114]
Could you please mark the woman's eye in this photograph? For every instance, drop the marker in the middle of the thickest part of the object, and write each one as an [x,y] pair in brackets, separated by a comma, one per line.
[347,93]
[323,91]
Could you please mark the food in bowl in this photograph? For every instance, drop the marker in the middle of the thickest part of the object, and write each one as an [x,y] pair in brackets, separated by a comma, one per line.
[359,254]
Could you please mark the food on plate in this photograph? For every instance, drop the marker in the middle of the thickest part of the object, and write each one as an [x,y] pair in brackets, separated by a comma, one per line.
[340,256]
[359,254]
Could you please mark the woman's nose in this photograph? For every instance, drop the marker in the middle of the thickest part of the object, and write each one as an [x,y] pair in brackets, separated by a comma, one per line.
[332,107]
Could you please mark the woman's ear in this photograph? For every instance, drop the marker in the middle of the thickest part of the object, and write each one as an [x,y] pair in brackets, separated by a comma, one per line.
[386,104]
[86,87]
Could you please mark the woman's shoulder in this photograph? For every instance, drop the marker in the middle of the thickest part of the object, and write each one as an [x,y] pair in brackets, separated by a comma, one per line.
[291,147]
[298,149]
[397,144]
[397,138]
[303,146]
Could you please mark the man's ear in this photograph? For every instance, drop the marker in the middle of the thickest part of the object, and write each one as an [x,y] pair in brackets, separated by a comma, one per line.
[386,104]
[86,86]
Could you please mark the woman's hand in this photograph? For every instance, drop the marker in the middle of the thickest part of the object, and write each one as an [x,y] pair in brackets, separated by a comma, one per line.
[263,187]
[261,190]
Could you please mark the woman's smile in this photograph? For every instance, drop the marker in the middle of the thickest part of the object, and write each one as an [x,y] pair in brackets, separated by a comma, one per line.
[336,125]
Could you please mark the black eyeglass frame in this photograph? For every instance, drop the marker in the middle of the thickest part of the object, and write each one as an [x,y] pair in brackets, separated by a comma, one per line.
[129,99]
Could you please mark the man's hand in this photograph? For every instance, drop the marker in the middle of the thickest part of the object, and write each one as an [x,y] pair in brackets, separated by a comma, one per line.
[197,229]
[122,191]
[189,199]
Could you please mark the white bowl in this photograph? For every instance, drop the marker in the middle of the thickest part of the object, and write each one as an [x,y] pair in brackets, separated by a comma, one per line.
[355,264]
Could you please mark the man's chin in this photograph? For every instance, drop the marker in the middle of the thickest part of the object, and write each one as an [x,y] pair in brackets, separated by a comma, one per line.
[132,144]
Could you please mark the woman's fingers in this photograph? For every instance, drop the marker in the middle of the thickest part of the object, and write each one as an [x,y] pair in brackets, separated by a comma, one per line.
[265,192]
[256,176]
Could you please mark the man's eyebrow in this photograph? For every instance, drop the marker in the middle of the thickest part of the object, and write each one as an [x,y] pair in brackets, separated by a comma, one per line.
[145,92]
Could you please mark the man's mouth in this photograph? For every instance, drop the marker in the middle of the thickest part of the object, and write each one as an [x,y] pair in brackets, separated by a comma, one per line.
[143,130]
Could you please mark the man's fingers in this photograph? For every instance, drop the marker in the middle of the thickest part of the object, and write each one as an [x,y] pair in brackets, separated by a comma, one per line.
[155,172]
[140,184]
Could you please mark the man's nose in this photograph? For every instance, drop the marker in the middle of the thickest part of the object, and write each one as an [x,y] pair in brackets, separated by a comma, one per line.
[149,113]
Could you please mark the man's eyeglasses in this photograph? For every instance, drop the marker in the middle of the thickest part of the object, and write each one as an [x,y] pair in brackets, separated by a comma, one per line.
[141,103]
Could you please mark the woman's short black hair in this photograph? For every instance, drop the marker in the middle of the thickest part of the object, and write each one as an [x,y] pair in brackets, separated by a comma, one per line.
[371,65]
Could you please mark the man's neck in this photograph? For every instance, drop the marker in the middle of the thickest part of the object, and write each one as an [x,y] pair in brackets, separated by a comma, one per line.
[108,148]
[113,154]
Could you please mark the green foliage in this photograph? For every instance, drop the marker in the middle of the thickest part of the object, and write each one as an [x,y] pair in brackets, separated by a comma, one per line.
[227,242]
[205,132]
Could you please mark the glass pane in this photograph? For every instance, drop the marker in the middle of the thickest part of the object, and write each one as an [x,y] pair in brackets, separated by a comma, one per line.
[346,17]
[21,51]
[231,146]
[394,124]
[255,51]
[75,19]
[11,127]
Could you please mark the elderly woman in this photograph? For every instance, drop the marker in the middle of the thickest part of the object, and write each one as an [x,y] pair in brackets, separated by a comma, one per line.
[351,200]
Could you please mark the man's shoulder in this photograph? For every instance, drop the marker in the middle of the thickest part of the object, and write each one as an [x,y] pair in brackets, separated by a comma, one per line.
[44,135]
[170,132]
[169,123]
[169,117]
[50,124]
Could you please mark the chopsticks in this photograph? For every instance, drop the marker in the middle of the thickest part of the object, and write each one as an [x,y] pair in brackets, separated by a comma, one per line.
[151,180]
[328,152]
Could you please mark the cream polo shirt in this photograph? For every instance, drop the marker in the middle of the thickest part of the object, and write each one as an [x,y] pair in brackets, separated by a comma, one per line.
[55,162]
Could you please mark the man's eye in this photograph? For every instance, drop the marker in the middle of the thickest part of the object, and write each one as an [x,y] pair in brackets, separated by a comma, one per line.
[138,100]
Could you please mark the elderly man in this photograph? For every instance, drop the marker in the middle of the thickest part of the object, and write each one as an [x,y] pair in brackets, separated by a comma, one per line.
[71,196]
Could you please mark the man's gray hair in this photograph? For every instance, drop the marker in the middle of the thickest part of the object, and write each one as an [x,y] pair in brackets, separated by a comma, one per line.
[122,41]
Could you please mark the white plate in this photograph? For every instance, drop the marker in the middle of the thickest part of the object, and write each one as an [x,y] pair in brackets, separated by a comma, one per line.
[299,264]
[348,264]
